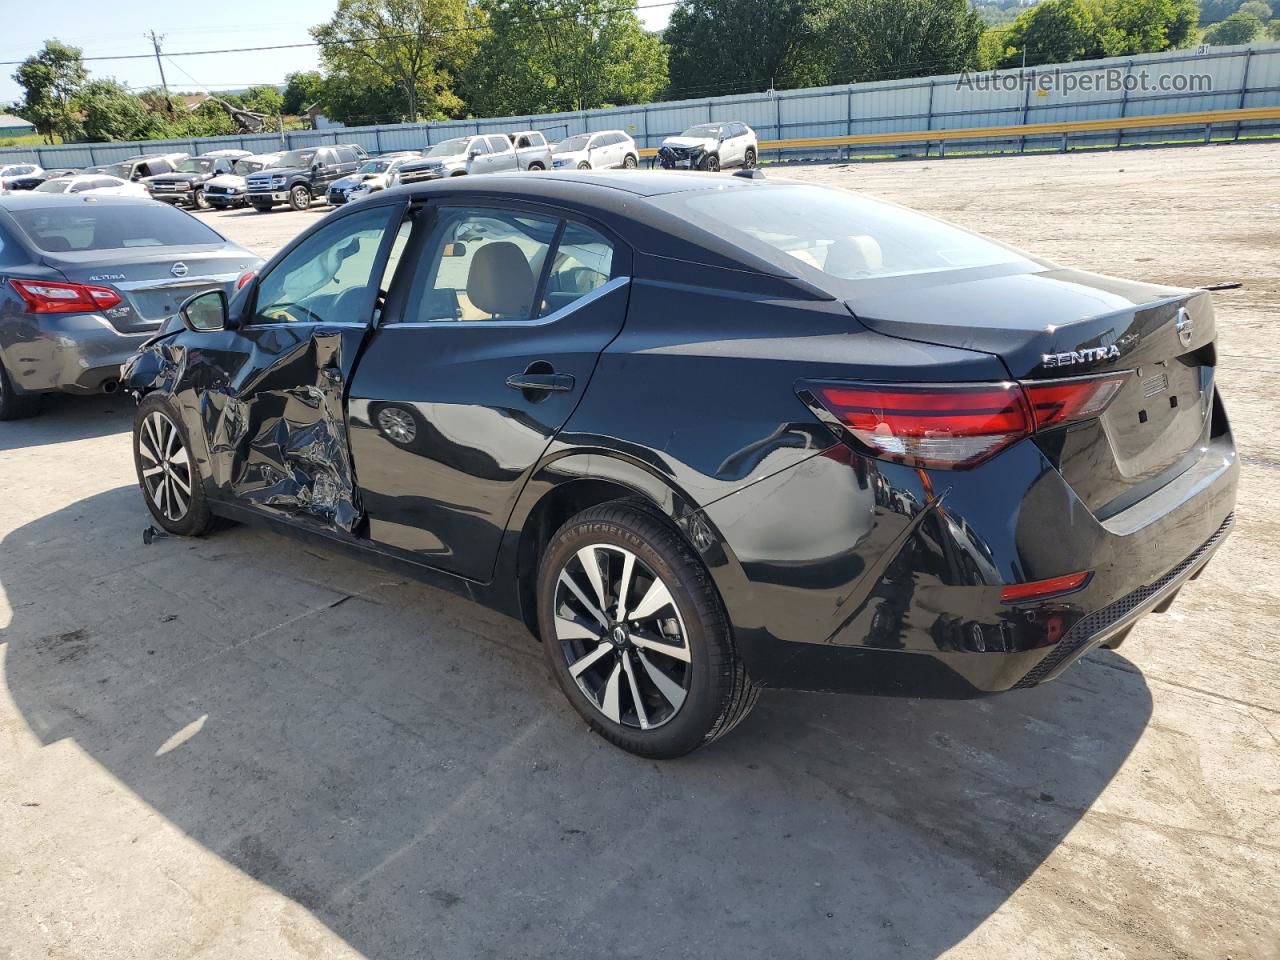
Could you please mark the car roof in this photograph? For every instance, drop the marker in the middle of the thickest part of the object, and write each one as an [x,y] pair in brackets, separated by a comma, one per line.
[569,183]
[31,200]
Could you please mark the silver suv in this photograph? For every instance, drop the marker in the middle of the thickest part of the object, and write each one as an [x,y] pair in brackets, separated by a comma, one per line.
[483,153]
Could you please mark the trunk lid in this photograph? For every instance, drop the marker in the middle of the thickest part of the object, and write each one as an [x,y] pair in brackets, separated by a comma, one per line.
[1055,324]
[153,286]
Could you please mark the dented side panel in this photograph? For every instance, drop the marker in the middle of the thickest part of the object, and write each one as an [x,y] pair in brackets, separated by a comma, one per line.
[266,404]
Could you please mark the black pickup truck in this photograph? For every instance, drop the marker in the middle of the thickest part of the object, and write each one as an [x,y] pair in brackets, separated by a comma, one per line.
[186,183]
[301,176]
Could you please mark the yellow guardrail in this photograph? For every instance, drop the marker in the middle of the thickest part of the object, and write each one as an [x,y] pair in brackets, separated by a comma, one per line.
[1201,118]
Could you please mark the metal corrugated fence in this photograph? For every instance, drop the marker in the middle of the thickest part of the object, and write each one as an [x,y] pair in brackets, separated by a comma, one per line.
[1234,78]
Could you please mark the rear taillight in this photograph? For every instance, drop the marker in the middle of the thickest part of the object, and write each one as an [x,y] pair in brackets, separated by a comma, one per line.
[48,296]
[244,278]
[953,426]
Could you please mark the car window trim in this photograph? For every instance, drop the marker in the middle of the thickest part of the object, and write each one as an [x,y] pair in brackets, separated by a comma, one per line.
[609,286]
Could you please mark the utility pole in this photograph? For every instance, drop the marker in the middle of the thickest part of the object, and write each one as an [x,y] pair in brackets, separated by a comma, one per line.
[155,42]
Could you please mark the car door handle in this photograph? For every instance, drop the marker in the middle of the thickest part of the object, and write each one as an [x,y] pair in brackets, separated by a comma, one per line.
[552,382]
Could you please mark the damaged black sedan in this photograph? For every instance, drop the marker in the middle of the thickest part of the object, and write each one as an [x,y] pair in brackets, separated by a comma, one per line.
[708,435]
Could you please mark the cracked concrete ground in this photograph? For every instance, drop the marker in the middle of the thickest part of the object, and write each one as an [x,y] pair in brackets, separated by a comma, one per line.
[242,747]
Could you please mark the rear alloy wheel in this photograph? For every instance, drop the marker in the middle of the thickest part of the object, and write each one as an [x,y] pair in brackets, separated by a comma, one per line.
[536,166]
[631,162]
[13,405]
[584,165]
[749,160]
[166,471]
[635,633]
[199,201]
[299,198]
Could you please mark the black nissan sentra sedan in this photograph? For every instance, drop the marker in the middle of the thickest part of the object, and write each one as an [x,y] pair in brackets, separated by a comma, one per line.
[708,435]
[85,280]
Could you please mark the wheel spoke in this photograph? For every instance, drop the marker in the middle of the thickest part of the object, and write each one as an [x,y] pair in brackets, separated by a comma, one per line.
[582,598]
[657,597]
[624,584]
[660,646]
[609,705]
[590,561]
[670,690]
[180,484]
[180,458]
[582,664]
[176,496]
[152,471]
[567,629]
[635,692]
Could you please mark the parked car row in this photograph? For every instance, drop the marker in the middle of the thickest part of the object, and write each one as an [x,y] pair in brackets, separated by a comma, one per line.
[341,173]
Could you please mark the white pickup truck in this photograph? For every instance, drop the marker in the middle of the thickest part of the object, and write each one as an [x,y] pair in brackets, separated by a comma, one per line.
[483,153]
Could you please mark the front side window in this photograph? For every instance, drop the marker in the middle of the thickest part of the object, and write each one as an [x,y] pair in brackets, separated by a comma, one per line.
[499,144]
[328,278]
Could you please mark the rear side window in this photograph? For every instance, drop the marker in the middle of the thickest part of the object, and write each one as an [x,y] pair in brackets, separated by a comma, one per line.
[583,262]
[11,255]
[85,226]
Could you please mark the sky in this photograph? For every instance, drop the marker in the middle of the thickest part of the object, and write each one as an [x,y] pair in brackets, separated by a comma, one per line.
[102,29]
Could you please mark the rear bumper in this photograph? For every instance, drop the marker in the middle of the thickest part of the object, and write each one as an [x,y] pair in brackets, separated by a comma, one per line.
[76,353]
[908,601]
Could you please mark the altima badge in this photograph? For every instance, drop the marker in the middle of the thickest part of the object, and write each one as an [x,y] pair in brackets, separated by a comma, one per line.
[1087,355]
[1185,327]
[179,269]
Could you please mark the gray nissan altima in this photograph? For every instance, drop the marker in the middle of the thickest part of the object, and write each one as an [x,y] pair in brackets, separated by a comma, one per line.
[84,280]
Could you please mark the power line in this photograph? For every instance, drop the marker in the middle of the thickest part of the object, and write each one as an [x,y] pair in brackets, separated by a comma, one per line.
[371,39]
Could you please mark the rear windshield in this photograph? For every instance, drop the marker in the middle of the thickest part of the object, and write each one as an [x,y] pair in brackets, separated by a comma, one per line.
[86,226]
[842,234]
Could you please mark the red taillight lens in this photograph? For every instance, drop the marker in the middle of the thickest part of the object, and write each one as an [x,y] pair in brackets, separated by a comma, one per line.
[1039,589]
[929,425]
[1055,402]
[244,278]
[954,425]
[48,296]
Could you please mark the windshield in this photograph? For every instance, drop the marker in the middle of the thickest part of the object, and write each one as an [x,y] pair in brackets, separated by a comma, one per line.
[449,148]
[296,158]
[842,234]
[374,166]
[53,186]
[63,228]
[704,130]
[196,165]
[245,167]
[122,170]
[573,144]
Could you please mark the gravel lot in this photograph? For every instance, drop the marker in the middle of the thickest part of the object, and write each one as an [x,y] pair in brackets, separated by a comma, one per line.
[245,748]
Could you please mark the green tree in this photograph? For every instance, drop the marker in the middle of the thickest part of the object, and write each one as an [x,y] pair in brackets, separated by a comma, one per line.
[113,113]
[51,79]
[1143,26]
[263,99]
[1055,31]
[993,47]
[418,45]
[737,46]
[1273,30]
[541,56]
[1237,28]
[1257,9]
[356,100]
[888,39]
[302,89]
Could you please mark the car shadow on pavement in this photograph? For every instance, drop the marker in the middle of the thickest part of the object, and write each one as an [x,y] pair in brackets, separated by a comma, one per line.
[63,417]
[397,761]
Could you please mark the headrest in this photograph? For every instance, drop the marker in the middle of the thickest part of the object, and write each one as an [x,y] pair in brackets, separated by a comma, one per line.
[500,281]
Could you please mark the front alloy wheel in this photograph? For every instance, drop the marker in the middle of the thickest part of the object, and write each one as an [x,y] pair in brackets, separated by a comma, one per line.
[622,636]
[166,470]
[167,473]
[199,200]
[299,197]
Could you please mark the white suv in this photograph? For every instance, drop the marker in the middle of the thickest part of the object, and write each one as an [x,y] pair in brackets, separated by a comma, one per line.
[604,150]
[711,146]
